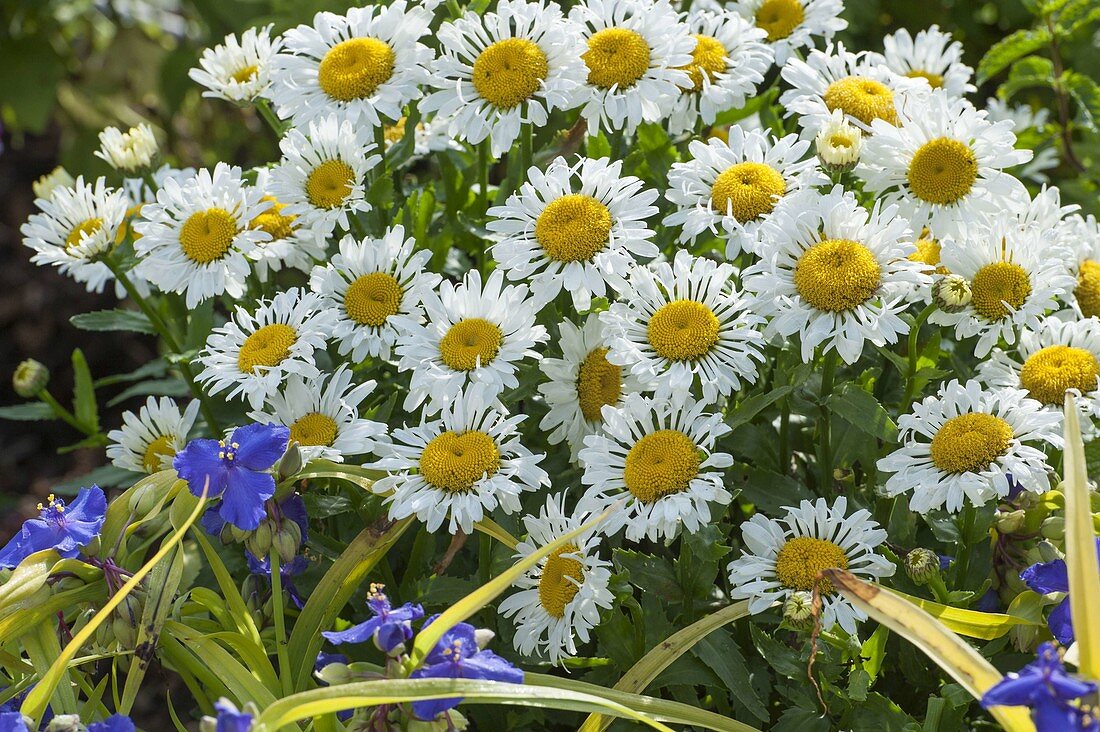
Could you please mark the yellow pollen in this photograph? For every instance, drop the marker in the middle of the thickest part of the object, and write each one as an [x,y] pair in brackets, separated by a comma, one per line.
[942,171]
[863,98]
[928,252]
[329,184]
[934,80]
[996,284]
[469,343]
[616,57]
[970,442]
[313,429]
[355,68]
[837,275]
[1087,291]
[1048,373]
[508,72]
[86,228]
[660,464]
[159,454]
[599,382]
[801,558]
[683,330]
[455,461]
[268,346]
[396,132]
[207,235]
[556,586]
[248,73]
[708,59]
[372,298]
[573,228]
[273,221]
[747,190]
[779,18]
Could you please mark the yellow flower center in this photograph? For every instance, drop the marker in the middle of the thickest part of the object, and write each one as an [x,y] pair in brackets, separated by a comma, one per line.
[934,80]
[372,298]
[131,213]
[573,228]
[86,228]
[355,68]
[1087,291]
[207,235]
[268,346]
[683,330]
[942,171]
[837,275]
[996,284]
[273,221]
[747,190]
[158,455]
[1048,373]
[708,59]
[508,72]
[929,253]
[313,429]
[396,132]
[801,558]
[556,585]
[970,442]
[469,343]
[454,461]
[616,57]
[248,73]
[660,464]
[329,184]
[599,382]
[862,98]
[779,18]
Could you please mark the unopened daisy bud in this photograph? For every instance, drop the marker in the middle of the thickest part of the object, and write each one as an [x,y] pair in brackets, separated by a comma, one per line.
[1009,522]
[30,377]
[839,144]
[128,152]
[951,293]
[798,610]
[47,184]
[922,565]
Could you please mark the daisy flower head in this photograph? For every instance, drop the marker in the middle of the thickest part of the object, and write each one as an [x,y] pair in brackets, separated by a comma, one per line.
[574,227]
[195,239]
[362,67]
[1081,236]
[783,556]
[792,25]
[963,444]
[237,70]
[475,333]
[253,353]
[684,323]
[660,456]
[942,164]
[636,55]
[739,186]
[148,440]
[560,597]
[429,135]
[499,70]
[729,60]
[460,466]
[839,276]
[931,55]
[581,383]
[128,152]
[291,244]
[323,415]
[369,284]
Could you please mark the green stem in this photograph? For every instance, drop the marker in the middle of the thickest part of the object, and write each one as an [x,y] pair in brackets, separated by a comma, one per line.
[270,117]
[914,356]
[483,176]
[526,150]
[63,413]
[825,435]
[962,563]
[280,624]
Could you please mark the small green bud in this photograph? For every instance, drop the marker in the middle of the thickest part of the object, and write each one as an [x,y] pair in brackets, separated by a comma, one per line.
[91,549]
[335,674]
[143,500]
[30,377]
[259,541]
[237,535]
[922,565]
[287,540]
[798,610]
[290,464]
[1010,522]
[1048,552]
[1053,528]
[68,583]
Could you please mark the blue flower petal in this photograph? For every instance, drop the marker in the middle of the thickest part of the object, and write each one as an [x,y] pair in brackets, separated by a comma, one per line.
[197,462]
[488,666]
[230,719]
[429,709]
[259,445]
[1060,623]
[114,723]
[1047,577]
[12,722]
[392,634]
[244,497]
[212,522]
[360,633]
[1013,690]
[294,508]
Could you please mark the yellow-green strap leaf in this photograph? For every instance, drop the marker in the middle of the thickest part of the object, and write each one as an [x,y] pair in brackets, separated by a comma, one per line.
[27,579]
[971,623]
[1081,560]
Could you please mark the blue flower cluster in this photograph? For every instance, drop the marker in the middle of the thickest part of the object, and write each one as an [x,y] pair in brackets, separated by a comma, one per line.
[1049,691]
[63,528]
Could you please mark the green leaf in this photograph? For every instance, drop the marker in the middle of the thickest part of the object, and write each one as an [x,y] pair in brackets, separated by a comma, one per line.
[598,146]
[721,653]
[1081,559]
[27,579]
[1026,73]
[152,387]
[766,490]
[29,412]
[84,404]
[971,623]
[1011,47]
[112,320]
[1086,93]
[861,410]
[752,406]
[164,580]
[648,573]
[29,73]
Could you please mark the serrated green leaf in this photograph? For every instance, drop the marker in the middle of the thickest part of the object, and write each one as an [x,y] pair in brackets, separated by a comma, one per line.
[1011,47]
[113,320]
[752,406]
[861,410]
[85,407]
[1086,93]
[1033,71]
[29,412]
[721,653]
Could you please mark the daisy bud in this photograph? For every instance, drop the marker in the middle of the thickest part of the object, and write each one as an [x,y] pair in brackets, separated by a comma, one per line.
[30,377]
[798,610]
[47,184]
[128,152]
[839,144]
[922,565]
[951,293]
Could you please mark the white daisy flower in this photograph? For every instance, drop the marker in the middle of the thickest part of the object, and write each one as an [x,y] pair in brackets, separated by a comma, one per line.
[1045,211]
[196,237]
[253,353]
[322,175]
[729,60]
[128,152]
[1026,120]
[574,227]
[474,334]
[1081,236]
[839,276]
[660,456]
[839,143]
[962,444]
[792,25]
[931,55]
[739,186]
[460,466]
[943,164]
[499,70]
[429,136]
[323,415]
[238,71]
[783,556]
[291,244]
[684,323]
[50,182]
[636,54]
[561,596]
[367,285]
[581,383]
[362,67]
[148,440]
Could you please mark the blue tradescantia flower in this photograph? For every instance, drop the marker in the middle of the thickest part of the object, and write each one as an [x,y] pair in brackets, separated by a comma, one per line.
[457,656]
[1045,687]
[12,722]
[114,723]
[1053,576]
[237,469]
[287,570]
[389,628]
[60,527]
[229,719]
